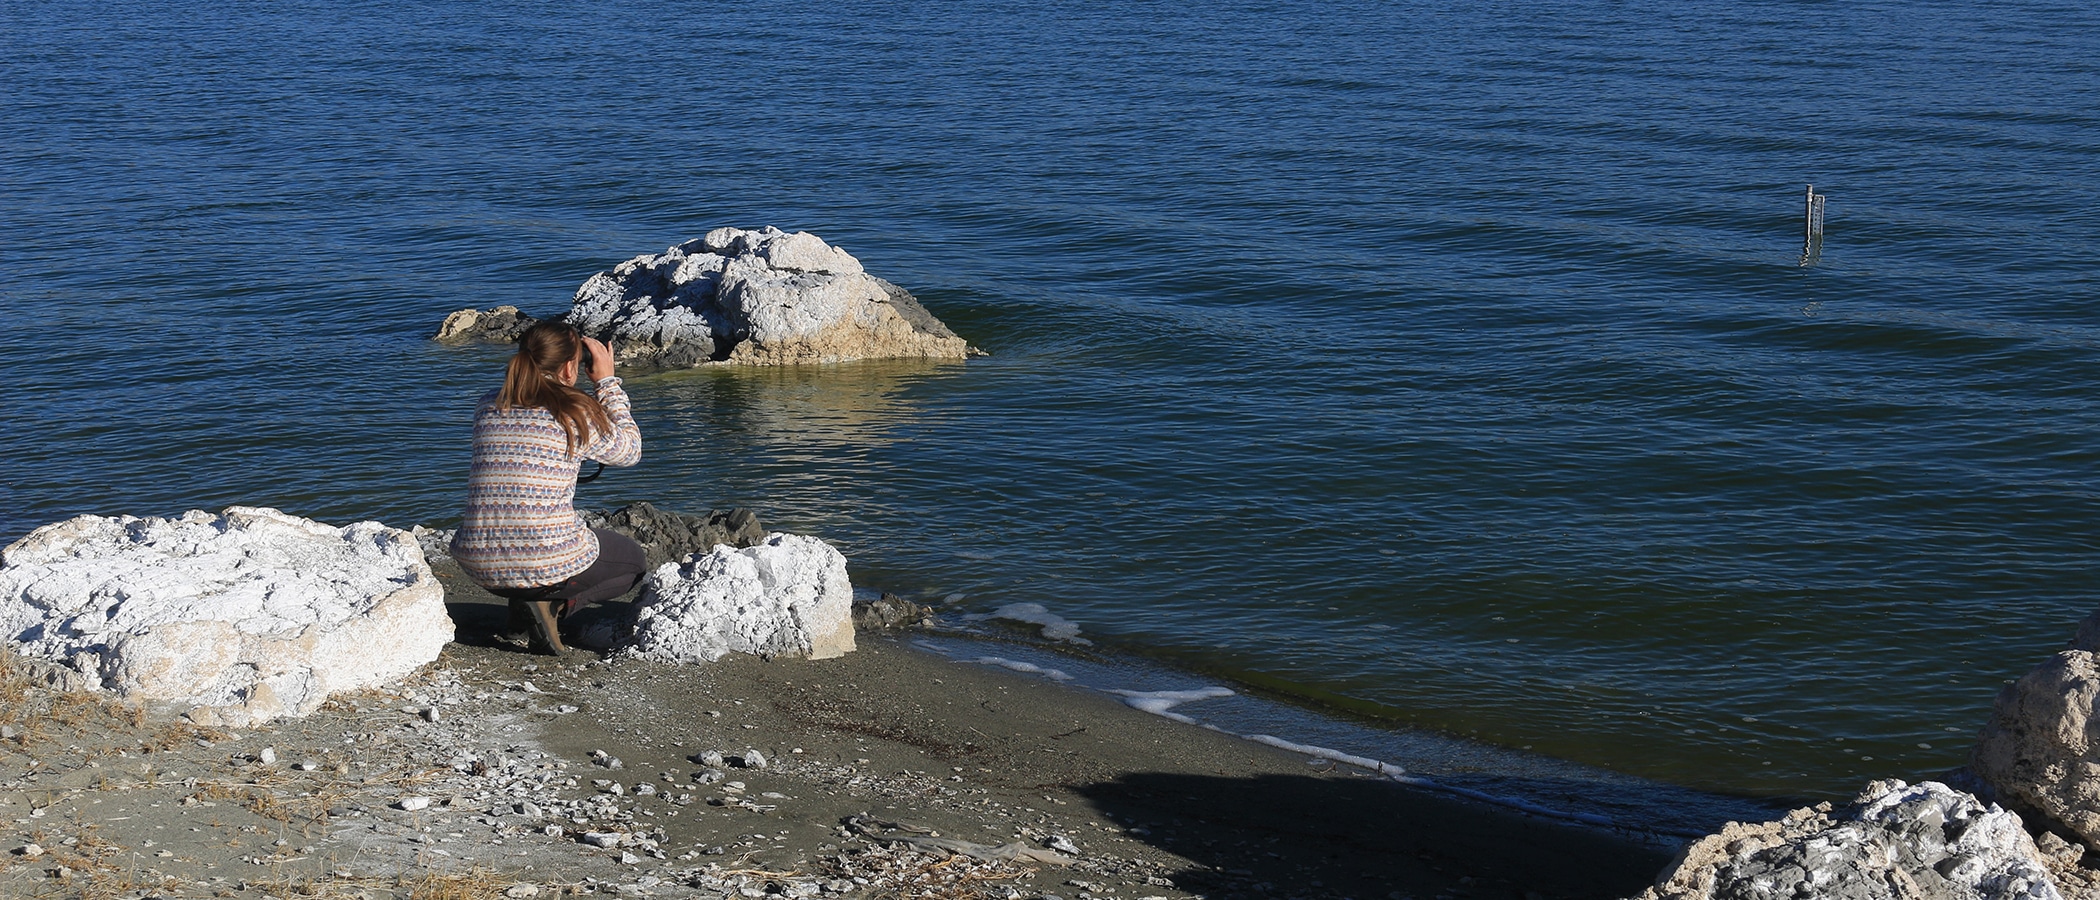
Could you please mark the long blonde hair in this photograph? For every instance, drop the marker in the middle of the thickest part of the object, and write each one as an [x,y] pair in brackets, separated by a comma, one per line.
[534,381]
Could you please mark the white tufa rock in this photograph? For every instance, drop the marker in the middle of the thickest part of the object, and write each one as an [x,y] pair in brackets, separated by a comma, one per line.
[244,616]
[2041,748]
[1916,842]
[760,297]
[787,596]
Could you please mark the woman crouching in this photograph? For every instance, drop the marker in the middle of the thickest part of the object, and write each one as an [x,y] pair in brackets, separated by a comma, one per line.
[521,538]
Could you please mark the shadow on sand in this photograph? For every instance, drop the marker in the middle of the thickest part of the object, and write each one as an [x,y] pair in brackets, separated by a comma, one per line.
[1370,839]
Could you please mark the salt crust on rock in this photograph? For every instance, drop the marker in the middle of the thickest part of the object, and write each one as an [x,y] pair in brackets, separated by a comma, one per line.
[787,596]
[246,616]
[1896,841]
[758,297]
[2041,748]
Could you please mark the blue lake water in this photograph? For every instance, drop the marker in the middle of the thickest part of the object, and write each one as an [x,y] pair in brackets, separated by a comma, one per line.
[1450,364]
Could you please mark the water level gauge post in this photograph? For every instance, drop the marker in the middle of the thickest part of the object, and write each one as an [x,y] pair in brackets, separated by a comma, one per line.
[1811,227]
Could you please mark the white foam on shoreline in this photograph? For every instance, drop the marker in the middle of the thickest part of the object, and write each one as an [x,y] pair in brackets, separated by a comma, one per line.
[1162,703]
[1055,627]
[1399,774]
[1361,762]
[1019,666]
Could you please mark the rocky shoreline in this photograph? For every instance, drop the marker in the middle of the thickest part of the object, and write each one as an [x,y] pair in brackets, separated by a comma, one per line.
[889,772]
[735,739]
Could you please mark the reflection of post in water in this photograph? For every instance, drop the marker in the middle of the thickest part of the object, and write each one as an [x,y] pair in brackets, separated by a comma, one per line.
[1812,227]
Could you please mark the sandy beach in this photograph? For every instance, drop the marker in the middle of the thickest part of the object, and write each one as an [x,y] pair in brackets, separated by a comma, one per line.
[888,773]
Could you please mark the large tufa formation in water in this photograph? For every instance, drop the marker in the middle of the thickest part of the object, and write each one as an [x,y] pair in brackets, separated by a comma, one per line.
[1895,842]
[2040,751]
[764,297]
[239,618]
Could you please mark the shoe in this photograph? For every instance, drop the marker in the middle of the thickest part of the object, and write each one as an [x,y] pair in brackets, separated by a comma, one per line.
[544,632]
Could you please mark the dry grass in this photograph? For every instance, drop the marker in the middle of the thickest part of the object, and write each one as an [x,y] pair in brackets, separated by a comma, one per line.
[477,884]
[14,682]
[86,856]
[474,884]
[906,873]
[109,884]
[100,884]
[39,714]
[332,887]
[180,733]
[406,777]
[305,812]
[17,694]
[80,710]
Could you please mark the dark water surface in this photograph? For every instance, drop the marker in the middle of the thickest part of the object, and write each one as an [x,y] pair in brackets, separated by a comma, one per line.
[1450,361]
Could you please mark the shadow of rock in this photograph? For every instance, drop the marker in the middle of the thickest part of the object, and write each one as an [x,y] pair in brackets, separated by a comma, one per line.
[1368,838]
[479,618]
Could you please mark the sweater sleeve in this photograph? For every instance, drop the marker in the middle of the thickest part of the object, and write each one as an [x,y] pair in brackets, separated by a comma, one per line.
[623,447]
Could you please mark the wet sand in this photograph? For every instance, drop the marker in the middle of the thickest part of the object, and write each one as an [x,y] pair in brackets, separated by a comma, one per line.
[492,774]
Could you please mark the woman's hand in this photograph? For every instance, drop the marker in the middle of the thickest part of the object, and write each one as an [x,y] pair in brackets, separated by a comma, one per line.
[601,359]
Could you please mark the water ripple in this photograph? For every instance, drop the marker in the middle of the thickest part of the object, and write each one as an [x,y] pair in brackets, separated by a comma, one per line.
[1447,359]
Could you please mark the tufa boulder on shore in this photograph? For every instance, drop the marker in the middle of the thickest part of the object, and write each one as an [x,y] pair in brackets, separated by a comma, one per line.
[2040,751]
[763,297]
[239,618]
[787,596]
[1894,842]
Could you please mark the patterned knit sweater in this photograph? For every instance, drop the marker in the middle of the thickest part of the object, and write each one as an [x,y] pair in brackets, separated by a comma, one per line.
[520,528]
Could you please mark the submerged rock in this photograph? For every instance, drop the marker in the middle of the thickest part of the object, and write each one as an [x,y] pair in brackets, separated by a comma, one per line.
[667,536]
[787,596]
[244,616]
[764,297]
[2040,751]
[887,612]
[500,325]
[1895,842]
